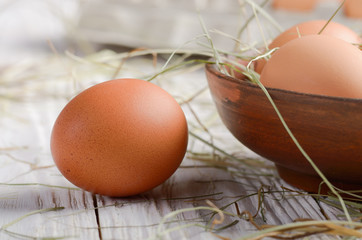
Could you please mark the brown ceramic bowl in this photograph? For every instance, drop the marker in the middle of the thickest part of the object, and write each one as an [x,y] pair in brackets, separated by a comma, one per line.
[328,128]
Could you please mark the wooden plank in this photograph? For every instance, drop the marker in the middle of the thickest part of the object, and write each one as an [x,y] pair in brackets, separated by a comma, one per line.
[31,187]
[190,188]
[46,212]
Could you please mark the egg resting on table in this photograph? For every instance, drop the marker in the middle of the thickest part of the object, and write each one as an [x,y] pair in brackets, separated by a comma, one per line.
[316,64]
[120,138]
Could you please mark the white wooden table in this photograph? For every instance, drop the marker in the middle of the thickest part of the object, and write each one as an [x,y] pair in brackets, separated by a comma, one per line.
[37,202]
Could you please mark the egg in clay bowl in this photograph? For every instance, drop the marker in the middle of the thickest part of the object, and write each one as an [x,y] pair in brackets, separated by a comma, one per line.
[312,27]
[120,138]
[315,81]
[316,64]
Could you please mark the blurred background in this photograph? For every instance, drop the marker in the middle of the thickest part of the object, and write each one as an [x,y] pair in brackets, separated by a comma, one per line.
[31,29]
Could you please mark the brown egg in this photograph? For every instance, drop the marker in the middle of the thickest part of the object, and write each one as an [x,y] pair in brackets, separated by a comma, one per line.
[309,28]
[316,64]
[120,138]
[294,5]
[235,70]
[353,8]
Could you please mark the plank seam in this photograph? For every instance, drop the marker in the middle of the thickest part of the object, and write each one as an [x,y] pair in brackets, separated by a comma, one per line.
[95,205]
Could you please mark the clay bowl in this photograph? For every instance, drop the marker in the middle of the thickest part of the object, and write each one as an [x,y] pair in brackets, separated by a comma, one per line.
[328,128]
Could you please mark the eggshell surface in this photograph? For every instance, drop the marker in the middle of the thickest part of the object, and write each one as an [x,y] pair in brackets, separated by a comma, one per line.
[236,71]
[353,8]
[294,5]
[314,27]
[120,138]
[316,64]
[311,28]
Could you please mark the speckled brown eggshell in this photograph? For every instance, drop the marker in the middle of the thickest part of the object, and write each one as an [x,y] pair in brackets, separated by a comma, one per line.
[120,138]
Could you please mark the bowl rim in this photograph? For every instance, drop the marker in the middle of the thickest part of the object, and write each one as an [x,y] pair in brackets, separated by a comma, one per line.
[211,67]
